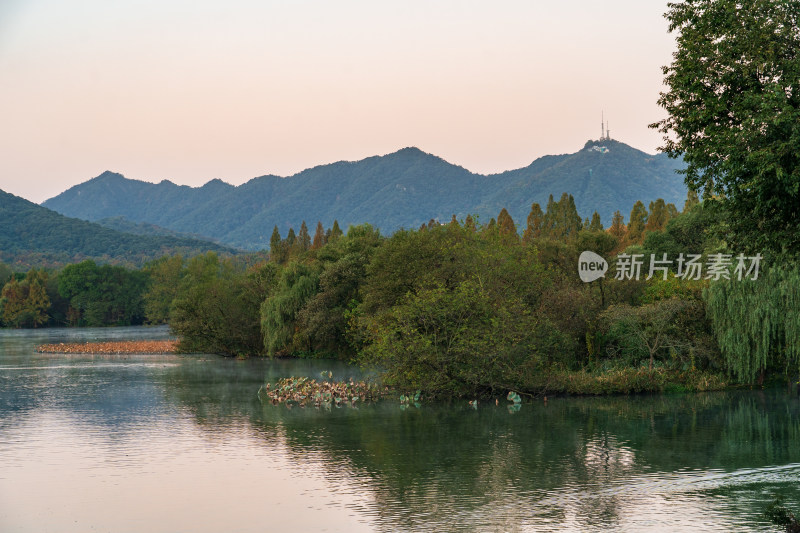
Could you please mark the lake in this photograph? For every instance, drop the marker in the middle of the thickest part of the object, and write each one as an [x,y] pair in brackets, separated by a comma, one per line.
[183,443]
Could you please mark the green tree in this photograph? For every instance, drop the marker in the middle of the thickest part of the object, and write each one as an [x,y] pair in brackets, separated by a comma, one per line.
[757,322]
[277,250]
[561,220]
[217,308]
[691,201]
[733,104]
[164,276]
[336,231]
[637,223]
[658,217]
[37,303]
[296,285]
[595,224]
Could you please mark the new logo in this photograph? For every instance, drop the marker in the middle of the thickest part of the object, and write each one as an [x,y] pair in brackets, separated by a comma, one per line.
[591,266]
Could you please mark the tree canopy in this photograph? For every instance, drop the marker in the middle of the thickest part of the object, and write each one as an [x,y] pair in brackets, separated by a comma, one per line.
[733,100]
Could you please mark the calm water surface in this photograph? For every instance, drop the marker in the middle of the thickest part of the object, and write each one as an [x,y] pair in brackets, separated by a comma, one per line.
[183,443]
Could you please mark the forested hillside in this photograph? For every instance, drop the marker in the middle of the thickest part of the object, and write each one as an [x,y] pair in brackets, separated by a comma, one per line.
[35,236]
[403,189]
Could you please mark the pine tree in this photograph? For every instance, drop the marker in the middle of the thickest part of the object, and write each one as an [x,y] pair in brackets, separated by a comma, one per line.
[672,211]
[691,200]
[454,221]
[658,217]
[336,231]
[549,218]
[506,226]
[38,303]
[618,228]
[469,223]
[534,228]
[275,246]
[562,221]
[13,302]
[595,224]
[319,237]
[432,224]
[304,238]
[638,221]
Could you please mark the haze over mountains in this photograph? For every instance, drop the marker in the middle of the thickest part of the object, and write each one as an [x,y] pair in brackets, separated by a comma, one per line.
[402,189]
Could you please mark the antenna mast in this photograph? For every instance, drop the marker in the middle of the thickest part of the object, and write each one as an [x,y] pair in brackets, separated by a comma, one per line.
[602,126]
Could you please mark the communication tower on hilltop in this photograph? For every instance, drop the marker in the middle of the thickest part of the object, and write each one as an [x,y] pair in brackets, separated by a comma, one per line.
[605,133]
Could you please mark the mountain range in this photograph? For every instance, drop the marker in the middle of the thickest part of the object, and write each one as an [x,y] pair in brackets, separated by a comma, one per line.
[33,235]
[402,189]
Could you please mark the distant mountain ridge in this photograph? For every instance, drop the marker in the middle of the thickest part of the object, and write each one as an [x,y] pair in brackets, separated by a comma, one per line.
[402,189]
[35,236]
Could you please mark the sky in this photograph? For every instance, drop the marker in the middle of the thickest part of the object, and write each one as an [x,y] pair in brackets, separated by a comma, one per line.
[196,90]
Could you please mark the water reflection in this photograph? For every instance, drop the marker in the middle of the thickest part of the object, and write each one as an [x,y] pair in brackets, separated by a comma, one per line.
[194,424]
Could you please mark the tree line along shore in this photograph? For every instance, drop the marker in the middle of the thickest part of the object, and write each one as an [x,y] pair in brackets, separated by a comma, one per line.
[459,309]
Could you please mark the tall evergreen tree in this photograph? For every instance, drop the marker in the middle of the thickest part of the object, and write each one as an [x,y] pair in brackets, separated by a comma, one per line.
[691,200]
[469,223]
[37,303]
[13,302]
[336,231]
[618,228]
[304,238]
[658,217]
[275,248]
[562,221]
[534,227]
[637,223]
[454,220]
[319,237]
[595,224]
[506,226]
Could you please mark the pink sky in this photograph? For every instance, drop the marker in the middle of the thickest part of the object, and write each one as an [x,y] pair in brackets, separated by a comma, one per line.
[195,90]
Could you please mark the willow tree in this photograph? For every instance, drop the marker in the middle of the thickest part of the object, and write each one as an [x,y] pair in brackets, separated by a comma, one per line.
[757,322]
[296,285]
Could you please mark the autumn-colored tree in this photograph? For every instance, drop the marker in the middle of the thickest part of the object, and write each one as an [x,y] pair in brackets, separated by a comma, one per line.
[534,227]
[469,223]
[319,237]
[13,302]
[506,226]
[618,228]
[25,303]
[637,223]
